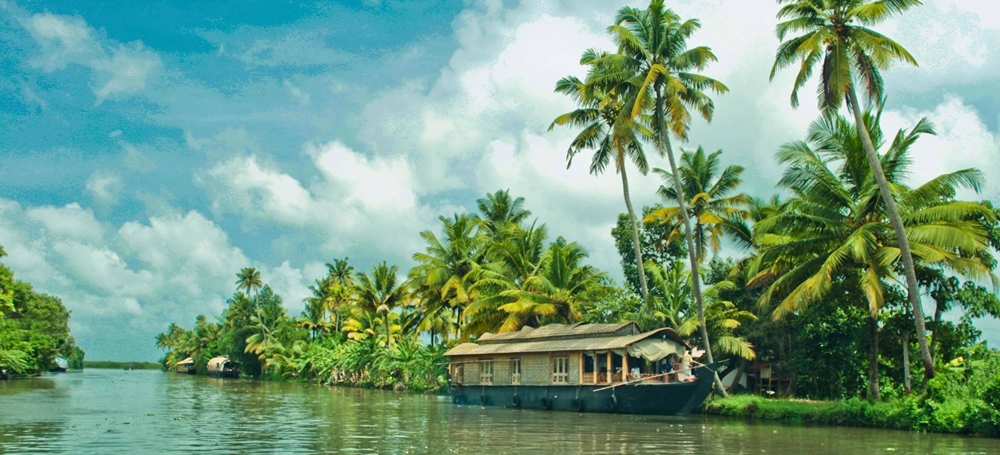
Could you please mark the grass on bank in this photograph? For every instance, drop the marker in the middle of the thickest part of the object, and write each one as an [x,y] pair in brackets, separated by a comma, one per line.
[914,413]
[108,364]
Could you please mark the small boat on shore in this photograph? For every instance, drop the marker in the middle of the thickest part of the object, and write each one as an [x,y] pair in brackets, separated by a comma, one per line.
[606,368]
[223,367]
[61,365]
[186,366]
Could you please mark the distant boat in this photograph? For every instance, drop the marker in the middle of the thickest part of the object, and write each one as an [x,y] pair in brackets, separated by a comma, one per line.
[128,367]
[62,365]
[186,366]
[223,367]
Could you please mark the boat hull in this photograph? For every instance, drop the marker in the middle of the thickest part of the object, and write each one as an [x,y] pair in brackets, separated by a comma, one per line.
[224,374]
[676,398]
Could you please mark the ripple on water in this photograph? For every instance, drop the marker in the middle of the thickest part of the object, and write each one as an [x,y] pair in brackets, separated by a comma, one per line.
[112,411]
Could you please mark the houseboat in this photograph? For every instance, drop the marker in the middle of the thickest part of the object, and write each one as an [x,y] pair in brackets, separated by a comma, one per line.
[186,366]
[223,367]
[608,368]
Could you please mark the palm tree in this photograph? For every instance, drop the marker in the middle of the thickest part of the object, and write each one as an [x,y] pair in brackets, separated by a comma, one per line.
[441,276]
[653,50]
[379,293]
[514,259]
[836,224]
[498,210]
[611,135]
[248,279]
[340,279]
[555,293]
[708,194]
[836,32]
[314,313]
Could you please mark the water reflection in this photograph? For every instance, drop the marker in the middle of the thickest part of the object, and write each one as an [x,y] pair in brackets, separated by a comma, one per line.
[111,411]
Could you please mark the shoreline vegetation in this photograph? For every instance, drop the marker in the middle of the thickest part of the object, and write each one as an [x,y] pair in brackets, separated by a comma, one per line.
[821,302]
[34,329]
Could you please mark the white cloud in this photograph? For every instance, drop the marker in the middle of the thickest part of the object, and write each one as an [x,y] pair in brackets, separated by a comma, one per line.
[117,69]
[297,94]
[105,187]
[135,280]
[357,201]
[963,141]
[125,72]
[70,221]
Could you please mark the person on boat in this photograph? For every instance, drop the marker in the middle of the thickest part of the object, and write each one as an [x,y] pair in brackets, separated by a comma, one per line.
[686,366]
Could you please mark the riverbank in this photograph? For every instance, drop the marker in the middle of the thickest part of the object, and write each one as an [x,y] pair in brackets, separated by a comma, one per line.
[919,413]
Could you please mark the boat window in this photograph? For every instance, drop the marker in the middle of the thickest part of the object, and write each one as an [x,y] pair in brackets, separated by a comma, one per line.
[560,370]
[515,371]
[486,371]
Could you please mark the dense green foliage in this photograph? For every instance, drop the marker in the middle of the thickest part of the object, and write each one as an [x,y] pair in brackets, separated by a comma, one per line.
[963,398]
[34,329]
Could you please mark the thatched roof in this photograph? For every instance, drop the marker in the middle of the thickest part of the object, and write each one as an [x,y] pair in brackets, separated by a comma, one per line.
[185,361]
[561,332]
[562,338]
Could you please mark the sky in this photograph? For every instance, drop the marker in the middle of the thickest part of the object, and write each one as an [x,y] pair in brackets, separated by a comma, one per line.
[150,149]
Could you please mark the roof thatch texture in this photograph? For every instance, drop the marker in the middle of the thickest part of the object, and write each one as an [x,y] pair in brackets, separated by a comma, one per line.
[561,332]
[562,338]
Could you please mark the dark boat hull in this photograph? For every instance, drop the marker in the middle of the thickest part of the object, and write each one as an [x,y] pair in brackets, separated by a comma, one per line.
[676,398]
[224,374]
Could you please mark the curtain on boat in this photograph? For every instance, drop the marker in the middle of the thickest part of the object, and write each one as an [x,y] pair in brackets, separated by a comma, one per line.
[655,349]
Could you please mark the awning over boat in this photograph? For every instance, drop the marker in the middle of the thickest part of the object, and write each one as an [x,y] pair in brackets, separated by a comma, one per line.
[654,349]
[670,343]
[217,363]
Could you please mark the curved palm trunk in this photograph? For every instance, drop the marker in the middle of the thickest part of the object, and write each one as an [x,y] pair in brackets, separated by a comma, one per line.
[635,236]
[912,289]
[695,279]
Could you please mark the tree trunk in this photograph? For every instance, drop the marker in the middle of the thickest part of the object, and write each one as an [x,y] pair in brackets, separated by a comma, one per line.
[937,325]
[873,390]
[739,374]
[666,149]
[635,236]
[907,383]
[912,289]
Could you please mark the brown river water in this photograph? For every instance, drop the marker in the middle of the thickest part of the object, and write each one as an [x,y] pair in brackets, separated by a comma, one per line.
[112,411]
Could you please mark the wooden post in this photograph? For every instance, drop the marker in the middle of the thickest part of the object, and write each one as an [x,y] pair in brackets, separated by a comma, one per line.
[625,367]
[611,368]
[579,373]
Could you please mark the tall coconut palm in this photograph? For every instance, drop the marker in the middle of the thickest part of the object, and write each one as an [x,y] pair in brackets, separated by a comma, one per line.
[380,292]
[514,259]
[340,278]
[711,204]
[653,50]
[611,135]
[248,279]
[441,276]
[837,223]
[498,210]
[837,33]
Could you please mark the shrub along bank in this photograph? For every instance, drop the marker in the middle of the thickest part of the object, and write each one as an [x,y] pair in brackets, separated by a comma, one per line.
[963,398]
